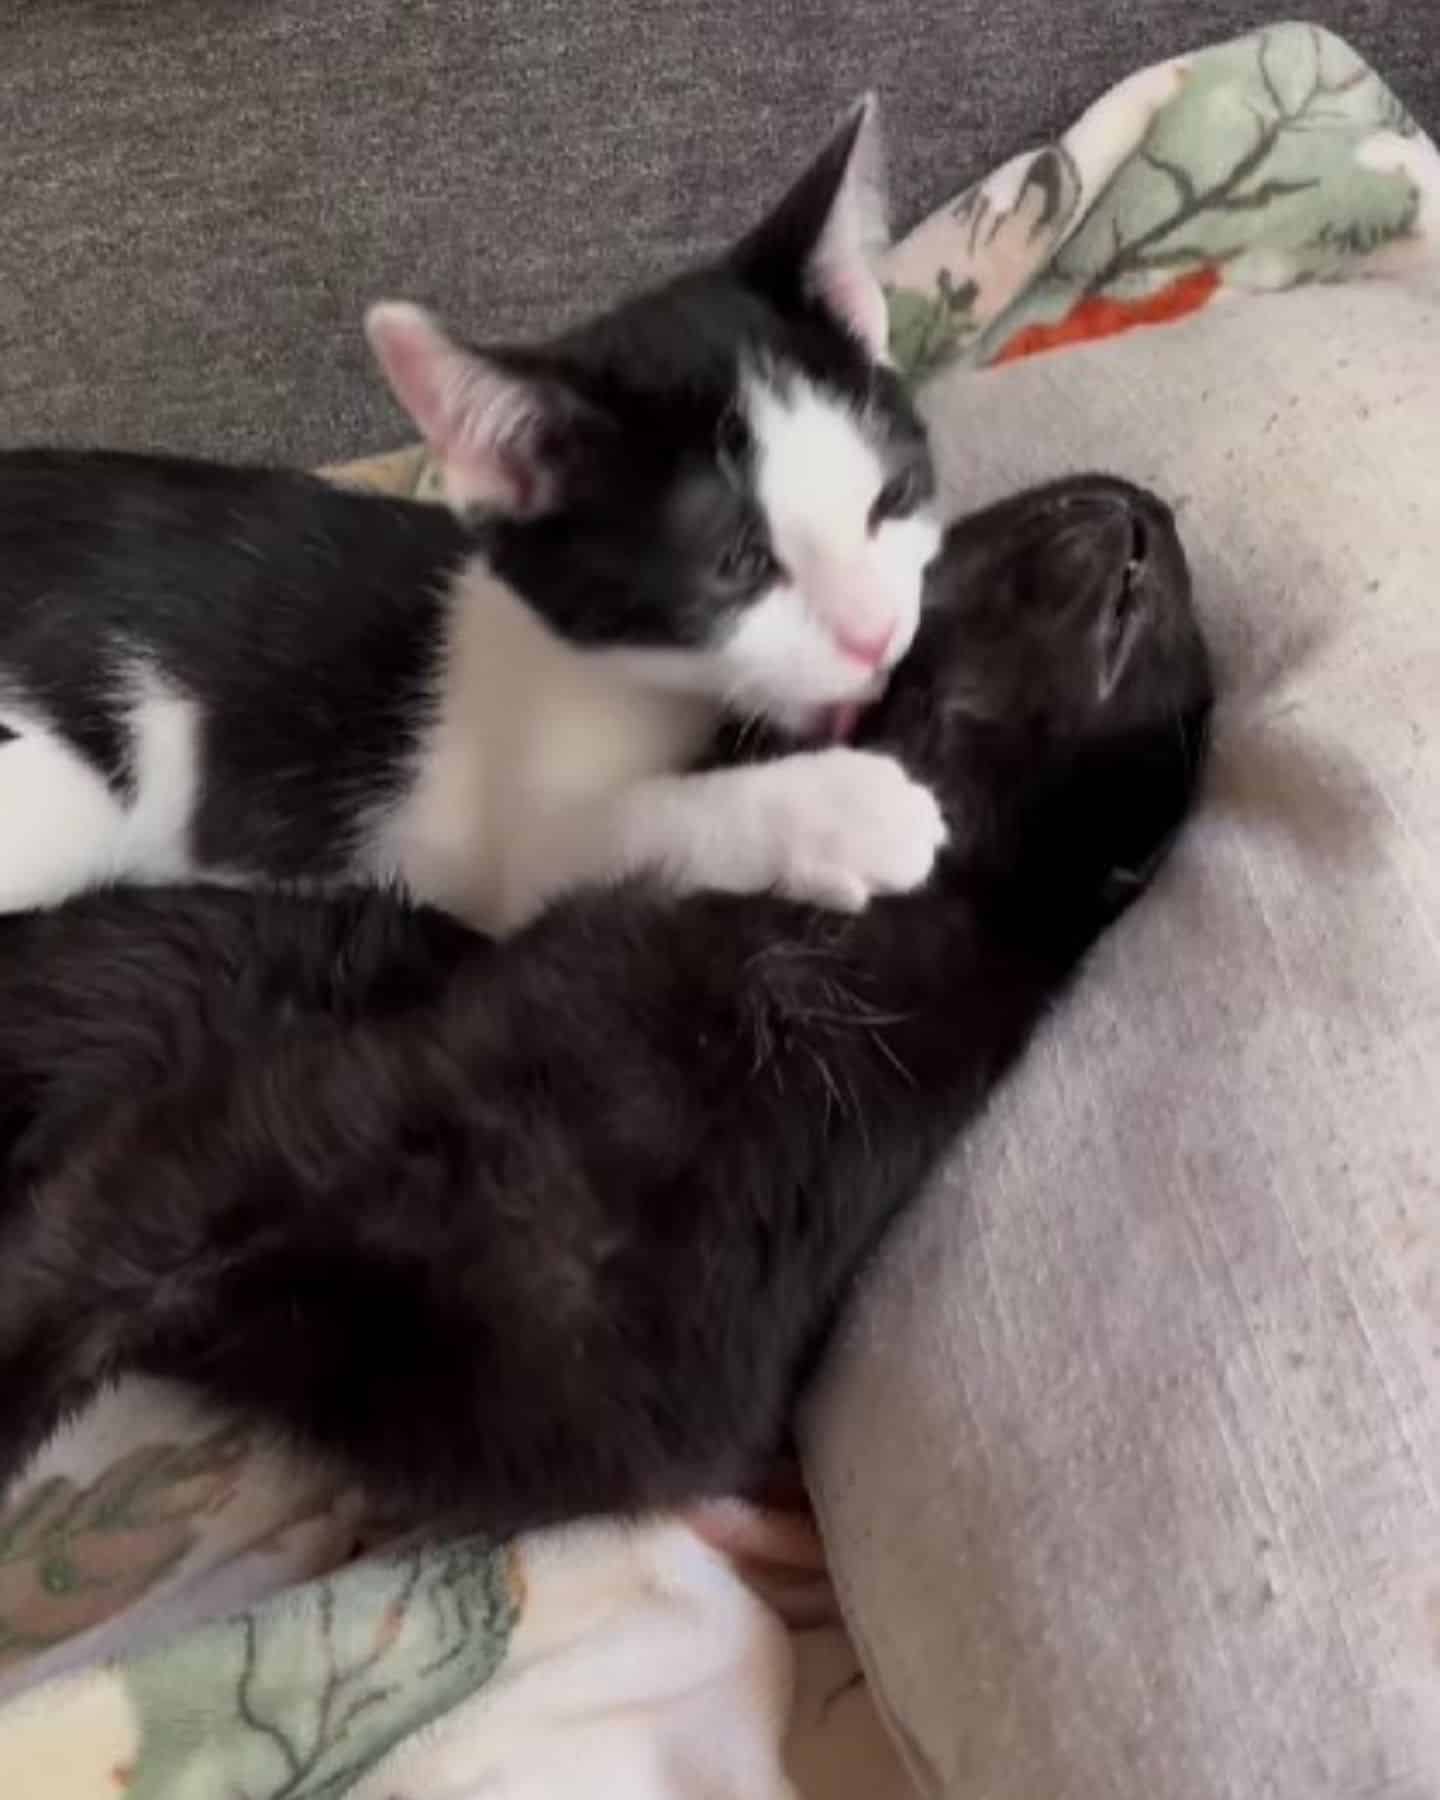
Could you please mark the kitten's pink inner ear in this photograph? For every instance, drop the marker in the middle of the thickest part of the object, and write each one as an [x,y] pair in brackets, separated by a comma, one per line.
[856,298]
[480,424]
[843,266]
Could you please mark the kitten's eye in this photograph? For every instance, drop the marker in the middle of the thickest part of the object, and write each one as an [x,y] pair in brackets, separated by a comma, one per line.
[732,441]
[746,564]
[898,498]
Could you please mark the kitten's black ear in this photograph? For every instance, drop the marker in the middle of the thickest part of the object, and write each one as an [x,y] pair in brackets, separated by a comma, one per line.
[821,243]
[504,434]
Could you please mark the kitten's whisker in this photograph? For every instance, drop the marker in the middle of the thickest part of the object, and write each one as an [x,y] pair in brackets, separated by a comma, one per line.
[890,1057]
[833,1096]
[858,1114]
[858,1017]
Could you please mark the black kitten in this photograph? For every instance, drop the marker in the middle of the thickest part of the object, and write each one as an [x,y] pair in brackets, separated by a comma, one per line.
[520,1235]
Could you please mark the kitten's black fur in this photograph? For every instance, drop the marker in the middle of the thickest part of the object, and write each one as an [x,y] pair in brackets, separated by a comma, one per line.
[232,579]
[652,389]
[517,1235]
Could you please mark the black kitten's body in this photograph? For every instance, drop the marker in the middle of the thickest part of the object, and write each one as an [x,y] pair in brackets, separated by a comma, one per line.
[532,1233]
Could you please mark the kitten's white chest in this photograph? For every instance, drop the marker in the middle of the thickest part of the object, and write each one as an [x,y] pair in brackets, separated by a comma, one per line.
[530,733]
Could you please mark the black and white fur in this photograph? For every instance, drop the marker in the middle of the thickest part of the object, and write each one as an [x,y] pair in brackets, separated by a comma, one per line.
[527,1233]
[714,497]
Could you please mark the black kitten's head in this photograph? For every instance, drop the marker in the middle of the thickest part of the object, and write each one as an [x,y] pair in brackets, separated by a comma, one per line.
[721,480]
[1059,692]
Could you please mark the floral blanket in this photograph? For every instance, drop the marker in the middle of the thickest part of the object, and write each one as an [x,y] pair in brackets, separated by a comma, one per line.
[182,1614]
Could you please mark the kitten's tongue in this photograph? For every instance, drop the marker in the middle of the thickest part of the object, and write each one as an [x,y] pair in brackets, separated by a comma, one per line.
[838,722]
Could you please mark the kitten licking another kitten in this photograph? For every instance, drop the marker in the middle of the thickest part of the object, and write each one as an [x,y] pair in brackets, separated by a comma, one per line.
[713,499]
[524,1234]
[519,1234]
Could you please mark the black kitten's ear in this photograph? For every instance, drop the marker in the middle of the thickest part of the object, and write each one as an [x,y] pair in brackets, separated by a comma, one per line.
[503,435]
[821,243]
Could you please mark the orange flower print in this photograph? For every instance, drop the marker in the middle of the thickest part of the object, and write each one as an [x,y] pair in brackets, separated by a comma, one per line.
[1102,316]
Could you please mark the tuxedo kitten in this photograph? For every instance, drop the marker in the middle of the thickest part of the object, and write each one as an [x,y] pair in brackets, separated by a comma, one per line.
[715,497]
[517,1235]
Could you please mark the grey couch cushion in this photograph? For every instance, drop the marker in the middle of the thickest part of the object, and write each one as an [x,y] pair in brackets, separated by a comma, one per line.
[200,195]
[1130,1454]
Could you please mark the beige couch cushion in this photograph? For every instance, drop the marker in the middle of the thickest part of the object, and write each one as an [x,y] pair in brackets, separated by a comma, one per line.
[1130,1455]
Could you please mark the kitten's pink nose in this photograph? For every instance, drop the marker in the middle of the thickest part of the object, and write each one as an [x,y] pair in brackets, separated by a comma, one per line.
[868,647]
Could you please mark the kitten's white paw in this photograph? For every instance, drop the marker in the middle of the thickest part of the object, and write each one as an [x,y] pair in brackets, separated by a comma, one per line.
[836,827]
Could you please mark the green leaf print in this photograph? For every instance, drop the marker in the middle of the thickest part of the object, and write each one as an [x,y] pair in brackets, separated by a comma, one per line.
[295,1699]
[72,1556]
[927,331]
[1254,167]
